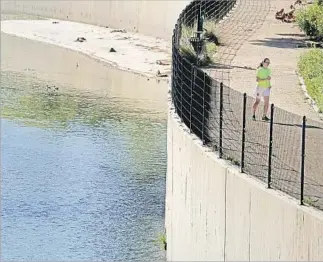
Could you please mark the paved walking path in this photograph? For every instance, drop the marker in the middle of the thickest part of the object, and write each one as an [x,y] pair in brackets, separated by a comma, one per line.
[277,41]
[234,31]
[250,34]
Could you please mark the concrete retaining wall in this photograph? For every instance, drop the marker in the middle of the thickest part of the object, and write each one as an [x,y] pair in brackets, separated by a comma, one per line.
[155,18]
[213,212]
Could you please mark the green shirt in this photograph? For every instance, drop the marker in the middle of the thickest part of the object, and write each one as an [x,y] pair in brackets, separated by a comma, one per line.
[263,73]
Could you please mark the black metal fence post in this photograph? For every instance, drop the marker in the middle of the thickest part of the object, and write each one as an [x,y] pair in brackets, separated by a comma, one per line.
[270,153]
[199,20]
[221,120]
[181,87]
[243,142]
[173,71]
[191,102]
[204,108]
[175,68]
[303,159]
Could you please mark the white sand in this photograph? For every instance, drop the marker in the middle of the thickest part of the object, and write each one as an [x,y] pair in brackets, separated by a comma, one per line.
[134,52]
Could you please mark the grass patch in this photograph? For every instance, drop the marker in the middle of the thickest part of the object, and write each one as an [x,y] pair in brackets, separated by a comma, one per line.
[310,66]
[233,160]
[310,20]
[210,32]
[162,241]
[210,44]
[311,202]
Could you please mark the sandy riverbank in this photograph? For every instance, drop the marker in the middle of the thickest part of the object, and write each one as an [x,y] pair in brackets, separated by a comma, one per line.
[134,52]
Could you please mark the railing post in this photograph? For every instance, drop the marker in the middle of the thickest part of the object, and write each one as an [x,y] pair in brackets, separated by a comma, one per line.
[243,142]
[177,87]
[303,160]
[181,87]
[191,102]
[173,72]
[174,68]
[204,108]
[221,120]
[199,21]
[270,153]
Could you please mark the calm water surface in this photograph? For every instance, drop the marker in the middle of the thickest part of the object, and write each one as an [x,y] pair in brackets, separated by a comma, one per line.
[83,177]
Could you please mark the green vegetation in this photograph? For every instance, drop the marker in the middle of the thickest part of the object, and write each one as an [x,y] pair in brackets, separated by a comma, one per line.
[233,160]
[41,110]
[311,68]
[210,47]
[27,100]
[162,241]
[311,202]
[310,20]
[210,32]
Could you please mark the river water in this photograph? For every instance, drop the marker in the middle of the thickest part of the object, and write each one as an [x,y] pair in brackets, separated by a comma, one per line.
[83,175]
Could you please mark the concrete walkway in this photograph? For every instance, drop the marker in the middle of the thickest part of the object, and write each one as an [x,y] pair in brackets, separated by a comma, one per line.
[234,31]
[277,41]
[250,34]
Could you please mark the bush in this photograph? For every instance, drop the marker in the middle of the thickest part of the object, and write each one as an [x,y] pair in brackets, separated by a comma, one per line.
[210,47]
[210,32]
[310,20]
[311,68]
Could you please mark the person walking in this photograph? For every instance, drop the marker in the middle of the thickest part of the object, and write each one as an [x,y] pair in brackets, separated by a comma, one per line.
[263,88]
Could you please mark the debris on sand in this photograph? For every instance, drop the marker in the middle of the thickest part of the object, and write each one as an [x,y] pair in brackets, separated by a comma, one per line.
[158,74]
[118,31]
[80,39]
[162,62]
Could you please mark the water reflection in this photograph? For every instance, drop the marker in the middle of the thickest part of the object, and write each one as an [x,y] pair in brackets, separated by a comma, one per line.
[83,177]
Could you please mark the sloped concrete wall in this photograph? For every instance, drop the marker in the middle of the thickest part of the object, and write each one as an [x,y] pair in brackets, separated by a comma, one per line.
[154,18]
[213,212]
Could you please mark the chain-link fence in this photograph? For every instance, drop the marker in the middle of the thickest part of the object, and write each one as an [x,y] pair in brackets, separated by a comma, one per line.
[285,152]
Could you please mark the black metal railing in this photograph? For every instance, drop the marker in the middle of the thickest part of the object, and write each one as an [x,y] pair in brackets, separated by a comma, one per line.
[285,152]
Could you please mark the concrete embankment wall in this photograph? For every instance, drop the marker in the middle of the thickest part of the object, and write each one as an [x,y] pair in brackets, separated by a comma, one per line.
[213,212]
[155,18]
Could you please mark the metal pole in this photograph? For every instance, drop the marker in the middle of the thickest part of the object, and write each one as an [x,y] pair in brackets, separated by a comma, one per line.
[203,120]
[199,21]
[303,159]
[174,84]
[191,102]
[243,142]
[270,153]
[221,120]
[181,87]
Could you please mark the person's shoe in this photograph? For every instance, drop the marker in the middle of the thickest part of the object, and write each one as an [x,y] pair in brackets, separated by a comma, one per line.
[254,118]
[265,118]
